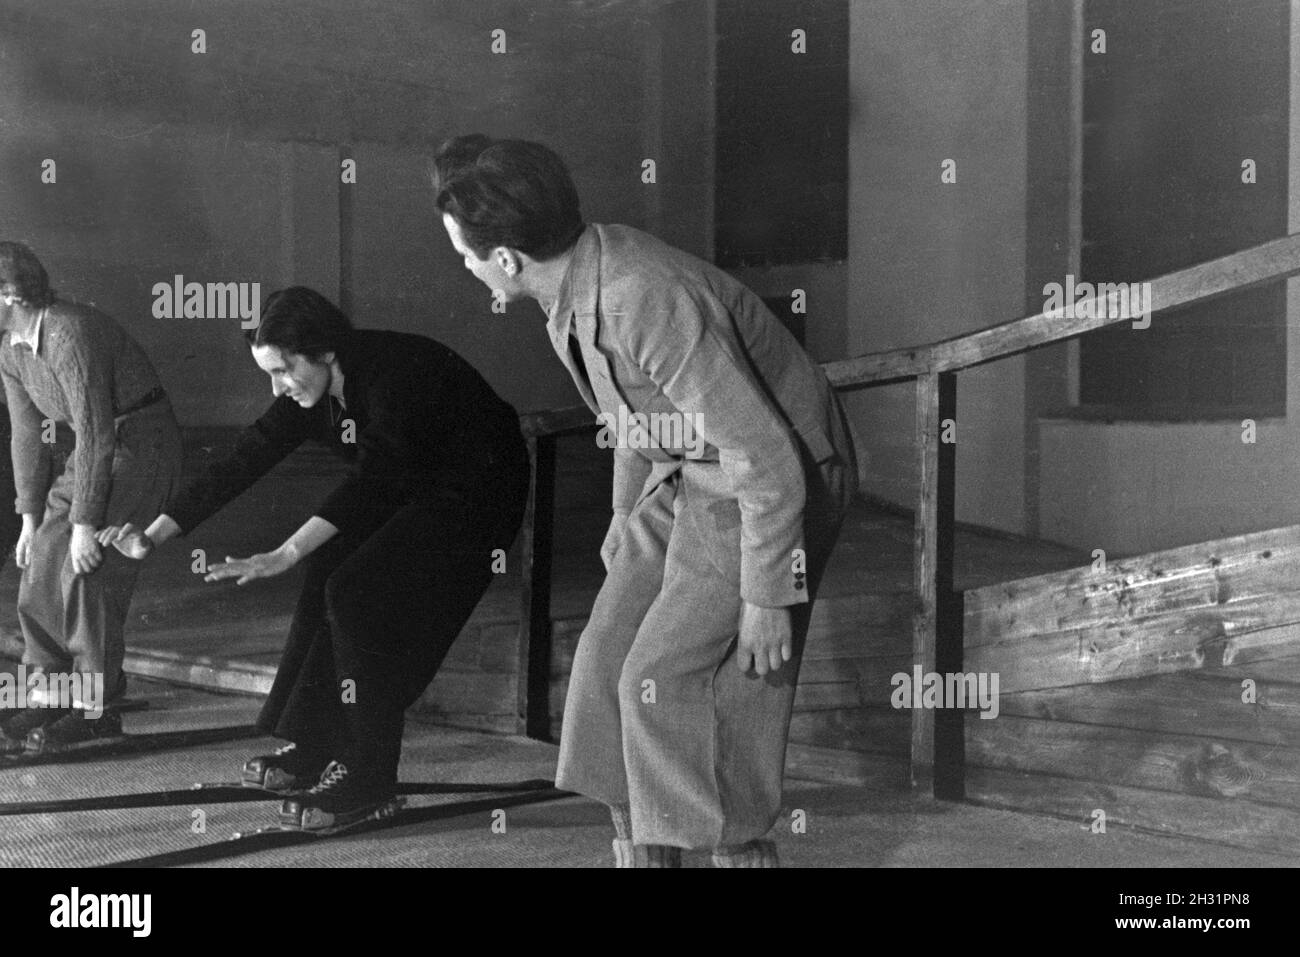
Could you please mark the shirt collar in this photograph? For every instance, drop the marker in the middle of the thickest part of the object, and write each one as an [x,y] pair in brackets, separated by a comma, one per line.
[33,341]
[580,288]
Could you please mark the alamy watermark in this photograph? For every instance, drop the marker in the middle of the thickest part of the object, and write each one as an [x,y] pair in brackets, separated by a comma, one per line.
[179,299]
[1103,300]
[75,909]
[953,690]
[671,431]
[83,690]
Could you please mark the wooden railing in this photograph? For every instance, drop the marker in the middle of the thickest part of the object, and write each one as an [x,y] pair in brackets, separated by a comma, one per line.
[937,617]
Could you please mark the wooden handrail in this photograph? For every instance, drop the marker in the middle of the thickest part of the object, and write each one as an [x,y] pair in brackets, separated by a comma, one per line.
[1266,262]
[570,418]
[937,618]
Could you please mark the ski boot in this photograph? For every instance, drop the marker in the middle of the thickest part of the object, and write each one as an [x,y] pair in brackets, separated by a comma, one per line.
[16,726]
[71,730]
[340,801]
[289,768]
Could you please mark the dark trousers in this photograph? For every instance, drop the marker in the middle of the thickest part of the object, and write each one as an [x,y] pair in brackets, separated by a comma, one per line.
[377,615]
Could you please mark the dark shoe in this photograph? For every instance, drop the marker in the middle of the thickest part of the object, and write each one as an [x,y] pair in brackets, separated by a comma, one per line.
[339,800]
[74,728]
[290,768]
[18,722]
[16,725]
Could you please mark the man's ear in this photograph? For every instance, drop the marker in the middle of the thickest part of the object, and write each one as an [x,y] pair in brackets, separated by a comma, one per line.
[508,260]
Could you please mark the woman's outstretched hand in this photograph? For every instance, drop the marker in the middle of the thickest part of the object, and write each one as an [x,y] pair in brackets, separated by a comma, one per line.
[127,539]
[265,565]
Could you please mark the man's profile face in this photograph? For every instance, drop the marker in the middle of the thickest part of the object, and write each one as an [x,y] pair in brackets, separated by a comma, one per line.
[488,271]
[8,304]
[297,376]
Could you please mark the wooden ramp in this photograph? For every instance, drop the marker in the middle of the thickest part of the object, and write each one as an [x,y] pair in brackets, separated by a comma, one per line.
[1162,692]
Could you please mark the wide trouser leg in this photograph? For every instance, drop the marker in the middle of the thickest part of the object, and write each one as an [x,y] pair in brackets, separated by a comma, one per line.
[70,622]
[41,587]
[305,702]
[375,620]
[75,622]
[703,742]
[591,739]
[393,620]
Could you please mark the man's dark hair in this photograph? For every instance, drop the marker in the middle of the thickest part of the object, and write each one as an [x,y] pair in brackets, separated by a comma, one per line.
[23,272]
[510,193]
[301,321]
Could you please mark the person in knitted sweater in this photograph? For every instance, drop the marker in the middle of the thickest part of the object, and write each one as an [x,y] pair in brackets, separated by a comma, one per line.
[94,442]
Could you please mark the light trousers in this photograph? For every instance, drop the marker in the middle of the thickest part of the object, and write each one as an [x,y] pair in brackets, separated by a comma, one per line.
[658,715]
[75,623]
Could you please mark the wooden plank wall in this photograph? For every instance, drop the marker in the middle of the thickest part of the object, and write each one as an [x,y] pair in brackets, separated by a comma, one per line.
[1163,691]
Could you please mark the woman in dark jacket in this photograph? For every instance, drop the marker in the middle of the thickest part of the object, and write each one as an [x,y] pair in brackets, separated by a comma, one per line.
[396,557]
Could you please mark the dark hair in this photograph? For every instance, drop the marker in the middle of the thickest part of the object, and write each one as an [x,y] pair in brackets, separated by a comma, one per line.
[510,193]
[301,321]
[20,268]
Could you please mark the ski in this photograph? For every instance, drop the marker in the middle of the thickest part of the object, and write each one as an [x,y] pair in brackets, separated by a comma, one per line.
[383,818]
[122,745]
[235,793]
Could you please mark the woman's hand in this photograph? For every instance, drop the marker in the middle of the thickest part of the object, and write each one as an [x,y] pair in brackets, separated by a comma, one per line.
[84,550]
[265,565]
[127,539]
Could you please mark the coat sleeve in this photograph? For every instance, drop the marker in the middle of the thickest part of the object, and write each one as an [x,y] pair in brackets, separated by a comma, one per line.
[31,456]
[259,448]
[684,341]
[83,368]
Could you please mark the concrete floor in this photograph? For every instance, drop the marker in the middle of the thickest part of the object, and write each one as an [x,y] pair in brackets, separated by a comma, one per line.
[845,826]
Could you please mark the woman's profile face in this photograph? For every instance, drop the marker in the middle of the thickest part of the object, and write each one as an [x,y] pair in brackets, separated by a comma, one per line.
[294,375]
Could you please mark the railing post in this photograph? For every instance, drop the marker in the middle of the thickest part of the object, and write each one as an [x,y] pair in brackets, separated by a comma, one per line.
[936,620]
[533,676]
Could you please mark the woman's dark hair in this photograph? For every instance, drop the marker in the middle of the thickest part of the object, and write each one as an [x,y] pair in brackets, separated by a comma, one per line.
[510,193]
[20,269]
[301,321]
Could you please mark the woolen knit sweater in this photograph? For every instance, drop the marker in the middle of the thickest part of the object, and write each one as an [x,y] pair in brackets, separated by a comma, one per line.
[84,371]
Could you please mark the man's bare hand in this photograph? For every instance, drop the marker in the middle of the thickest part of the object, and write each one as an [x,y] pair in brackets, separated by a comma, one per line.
[766,638]
[86,556]
[23,550]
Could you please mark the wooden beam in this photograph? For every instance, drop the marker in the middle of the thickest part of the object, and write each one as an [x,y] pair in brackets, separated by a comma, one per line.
[1201,764]
[556,421]
[1204,575]
[532,681]
[1208,704]
[1240,823]
[877,368]
[1253,629]
[933,622]
[1240,270]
